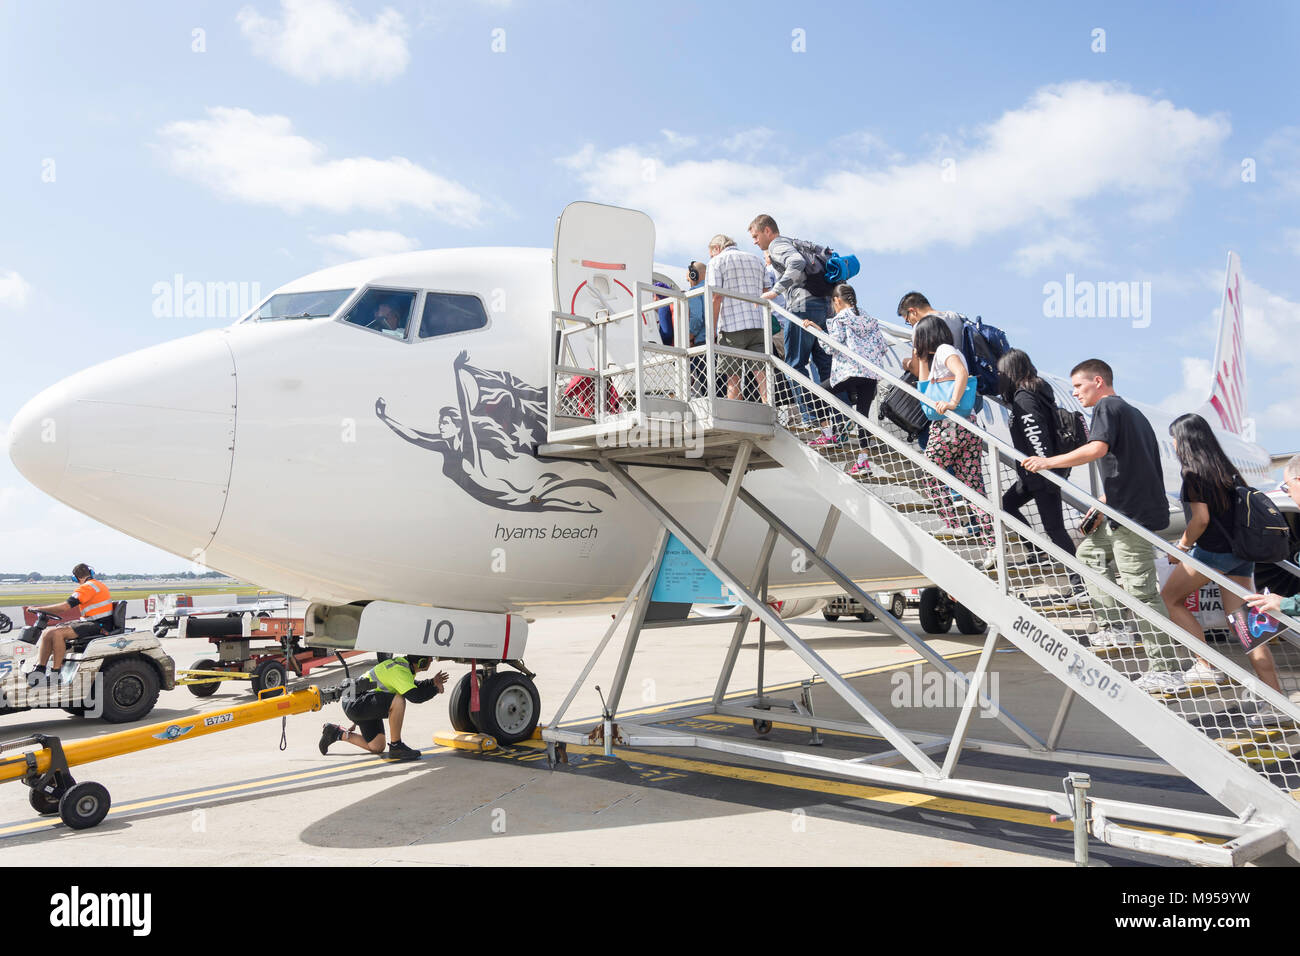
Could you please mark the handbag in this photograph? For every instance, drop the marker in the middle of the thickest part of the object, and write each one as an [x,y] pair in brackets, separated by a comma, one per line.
[904,409]
[942,392]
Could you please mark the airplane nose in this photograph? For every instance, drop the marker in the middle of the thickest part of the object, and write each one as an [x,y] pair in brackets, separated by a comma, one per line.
[143,443]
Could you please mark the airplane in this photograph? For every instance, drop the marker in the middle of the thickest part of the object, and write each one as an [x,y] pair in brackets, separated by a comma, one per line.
[365,438]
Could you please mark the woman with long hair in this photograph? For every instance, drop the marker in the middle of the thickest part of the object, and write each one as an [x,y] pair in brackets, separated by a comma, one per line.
[852,382]
[951,446]
[1210,481]
[1033,432]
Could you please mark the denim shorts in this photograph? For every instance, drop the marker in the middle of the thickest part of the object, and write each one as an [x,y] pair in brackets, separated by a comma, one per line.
[1229,564]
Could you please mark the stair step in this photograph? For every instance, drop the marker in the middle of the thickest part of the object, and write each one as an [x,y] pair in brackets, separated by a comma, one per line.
[1257,738]
[1264,755]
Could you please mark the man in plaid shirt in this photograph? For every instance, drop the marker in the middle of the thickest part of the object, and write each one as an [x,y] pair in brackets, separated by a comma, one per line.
[739,324]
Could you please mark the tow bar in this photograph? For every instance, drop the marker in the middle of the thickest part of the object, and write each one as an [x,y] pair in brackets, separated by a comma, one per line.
[45,770]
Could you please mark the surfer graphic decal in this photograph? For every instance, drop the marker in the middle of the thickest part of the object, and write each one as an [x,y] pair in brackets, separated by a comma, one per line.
[497,416]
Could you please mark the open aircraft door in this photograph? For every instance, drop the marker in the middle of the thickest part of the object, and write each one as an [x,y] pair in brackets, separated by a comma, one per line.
[600,253]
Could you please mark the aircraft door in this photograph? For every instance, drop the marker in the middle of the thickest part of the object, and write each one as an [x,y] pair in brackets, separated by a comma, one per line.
[600,253]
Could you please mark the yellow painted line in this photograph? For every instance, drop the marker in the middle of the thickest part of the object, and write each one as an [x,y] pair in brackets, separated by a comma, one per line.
[247,785]
[901,798]
[882,669]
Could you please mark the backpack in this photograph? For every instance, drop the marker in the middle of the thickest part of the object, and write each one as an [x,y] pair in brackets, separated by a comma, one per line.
[1071,431]
[905,410]
[814,277]
[1259,531]
[994,336]
[980,360]
[982,345]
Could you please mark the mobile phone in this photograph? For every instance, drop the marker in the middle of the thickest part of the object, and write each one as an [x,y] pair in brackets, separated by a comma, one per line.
[1091,521]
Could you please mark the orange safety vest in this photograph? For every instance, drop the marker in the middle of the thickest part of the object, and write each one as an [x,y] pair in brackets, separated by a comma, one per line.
[93,599]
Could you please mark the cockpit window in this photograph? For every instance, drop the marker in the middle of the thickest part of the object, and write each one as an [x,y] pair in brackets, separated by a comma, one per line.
[301,305]
[383,310]
[447,312]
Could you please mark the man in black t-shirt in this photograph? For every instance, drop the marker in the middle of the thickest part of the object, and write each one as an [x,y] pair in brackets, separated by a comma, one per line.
[1122,438]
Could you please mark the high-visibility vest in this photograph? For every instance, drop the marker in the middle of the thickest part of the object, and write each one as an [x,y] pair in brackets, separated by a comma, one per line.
[94,599]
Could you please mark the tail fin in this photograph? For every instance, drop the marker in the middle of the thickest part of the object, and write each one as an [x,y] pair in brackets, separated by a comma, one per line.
[1227,402]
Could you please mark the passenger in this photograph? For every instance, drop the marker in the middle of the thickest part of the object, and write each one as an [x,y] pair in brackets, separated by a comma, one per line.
[800,347]
[1124,443]
[95,604]
[739,324]
[1033,432]
[695,273]
[852,382]
[384,691]
[1276,603]
[914,307]
[951,446]
[1208,496]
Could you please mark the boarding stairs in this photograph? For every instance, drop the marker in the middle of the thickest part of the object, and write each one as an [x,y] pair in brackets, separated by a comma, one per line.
[1237,740]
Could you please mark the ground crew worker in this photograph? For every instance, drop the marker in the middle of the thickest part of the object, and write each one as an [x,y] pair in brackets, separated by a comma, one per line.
[384,690]
[95,604]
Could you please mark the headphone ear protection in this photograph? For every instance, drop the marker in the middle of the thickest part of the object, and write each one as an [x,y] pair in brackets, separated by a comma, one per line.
[694,274]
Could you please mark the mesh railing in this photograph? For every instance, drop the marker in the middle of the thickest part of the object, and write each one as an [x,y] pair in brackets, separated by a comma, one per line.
[695,374]
[949,491]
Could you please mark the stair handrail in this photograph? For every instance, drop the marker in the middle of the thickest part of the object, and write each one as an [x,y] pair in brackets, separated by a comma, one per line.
[1014,455]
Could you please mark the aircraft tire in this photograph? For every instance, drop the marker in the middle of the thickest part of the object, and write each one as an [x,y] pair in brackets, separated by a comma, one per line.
[458,706]
[509,707]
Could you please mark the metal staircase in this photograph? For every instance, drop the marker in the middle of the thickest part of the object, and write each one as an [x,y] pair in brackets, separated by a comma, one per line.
[1235,740]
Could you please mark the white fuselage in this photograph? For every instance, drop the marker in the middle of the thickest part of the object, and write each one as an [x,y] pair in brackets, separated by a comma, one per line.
[260,450]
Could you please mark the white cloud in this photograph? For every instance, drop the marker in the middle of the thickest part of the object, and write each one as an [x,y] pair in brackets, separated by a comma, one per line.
[748,142]
[1068,144]
[326,39]
[365,243]
[1039,255]
[14,290]
[1198,374]
[1272,328]
[259,159]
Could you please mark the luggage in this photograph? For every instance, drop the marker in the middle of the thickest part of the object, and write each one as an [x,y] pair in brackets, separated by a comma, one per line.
[1259,531]
[905,410]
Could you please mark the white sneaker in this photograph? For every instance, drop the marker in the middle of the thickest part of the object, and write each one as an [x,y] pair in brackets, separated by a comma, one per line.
[1267,717]
[1203,673]
[1112,637]
[1160,682]
[991,559]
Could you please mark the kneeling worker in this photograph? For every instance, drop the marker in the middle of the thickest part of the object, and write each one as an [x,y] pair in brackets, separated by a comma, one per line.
[384,690]
[95,604]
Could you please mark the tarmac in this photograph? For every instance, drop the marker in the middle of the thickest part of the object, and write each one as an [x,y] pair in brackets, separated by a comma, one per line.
[238,799]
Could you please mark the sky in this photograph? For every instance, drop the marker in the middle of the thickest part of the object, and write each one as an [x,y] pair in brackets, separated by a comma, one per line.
[976,153]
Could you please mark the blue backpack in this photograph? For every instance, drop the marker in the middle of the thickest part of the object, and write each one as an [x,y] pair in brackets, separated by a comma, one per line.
[982,345]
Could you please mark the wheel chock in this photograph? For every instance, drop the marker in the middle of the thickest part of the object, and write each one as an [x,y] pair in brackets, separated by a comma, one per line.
[475,743]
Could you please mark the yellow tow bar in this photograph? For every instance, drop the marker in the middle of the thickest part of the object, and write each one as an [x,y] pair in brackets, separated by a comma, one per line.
[83,805]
